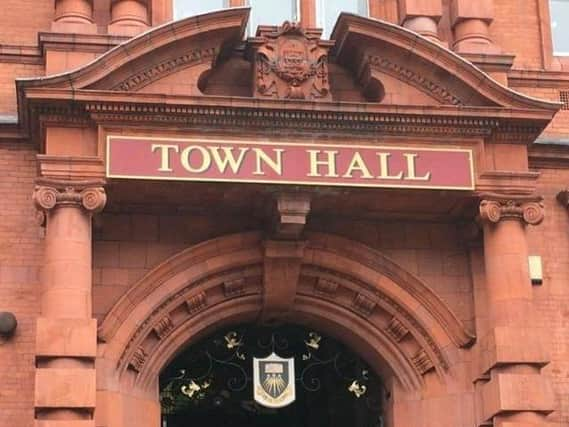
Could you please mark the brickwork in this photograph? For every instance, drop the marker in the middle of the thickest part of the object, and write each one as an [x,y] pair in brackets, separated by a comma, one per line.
[551,242]
[134,237]
[559,127]
[20,259]
[8,74]
[22,20]
[126,247]
[516,30]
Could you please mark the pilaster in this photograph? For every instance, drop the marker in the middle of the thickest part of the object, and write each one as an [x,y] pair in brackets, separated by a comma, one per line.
[129,17]
[511,390]
[74,16]
[66,336]
[470,21]
[422,16]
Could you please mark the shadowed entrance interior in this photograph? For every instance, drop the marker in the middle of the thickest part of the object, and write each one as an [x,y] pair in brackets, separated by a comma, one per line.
[211,381]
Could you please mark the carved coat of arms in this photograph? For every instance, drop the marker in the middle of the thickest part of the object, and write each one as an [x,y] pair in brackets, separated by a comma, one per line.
[274,381]
[291,63]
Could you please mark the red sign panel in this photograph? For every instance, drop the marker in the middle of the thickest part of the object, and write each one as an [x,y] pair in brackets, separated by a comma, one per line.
[289,163]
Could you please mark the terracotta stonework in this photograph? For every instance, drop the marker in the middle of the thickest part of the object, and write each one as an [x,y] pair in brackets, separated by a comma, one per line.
[114,274]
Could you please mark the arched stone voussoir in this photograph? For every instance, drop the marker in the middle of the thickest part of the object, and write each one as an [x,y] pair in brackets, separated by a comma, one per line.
[371,267]
[386,358]
[187,267]
[396,320]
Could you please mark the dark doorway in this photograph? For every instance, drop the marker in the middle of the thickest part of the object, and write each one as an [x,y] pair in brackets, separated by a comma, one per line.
[211,382]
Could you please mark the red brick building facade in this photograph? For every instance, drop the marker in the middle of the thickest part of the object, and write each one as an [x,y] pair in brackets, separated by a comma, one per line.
[112,272]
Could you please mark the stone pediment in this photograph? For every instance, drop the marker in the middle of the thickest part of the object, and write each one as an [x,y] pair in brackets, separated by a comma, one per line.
[205,59]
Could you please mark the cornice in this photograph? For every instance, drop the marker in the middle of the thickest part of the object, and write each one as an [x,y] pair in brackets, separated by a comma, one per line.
[98,43]
[354,33]
[495,124]
[538,78]
[549,156]
[21,55]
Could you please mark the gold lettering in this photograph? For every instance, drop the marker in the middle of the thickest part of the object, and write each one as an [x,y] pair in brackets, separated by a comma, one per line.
[357,164]
[330,163]
[276,165]
[384,167]
[411,170]
[229,159]
[165,149]
[185,159]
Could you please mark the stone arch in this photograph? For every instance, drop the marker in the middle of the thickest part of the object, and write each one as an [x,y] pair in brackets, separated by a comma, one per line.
[351,291]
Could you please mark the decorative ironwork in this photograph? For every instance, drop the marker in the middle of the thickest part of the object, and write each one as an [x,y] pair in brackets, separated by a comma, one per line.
[218,373]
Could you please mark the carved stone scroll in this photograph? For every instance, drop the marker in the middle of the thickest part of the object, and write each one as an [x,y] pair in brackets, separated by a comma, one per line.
[87,195]
[495,208]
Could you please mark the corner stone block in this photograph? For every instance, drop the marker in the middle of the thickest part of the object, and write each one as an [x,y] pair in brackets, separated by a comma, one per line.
[461,10]
[509,345]
[66,337]
[65,388]
[516,393]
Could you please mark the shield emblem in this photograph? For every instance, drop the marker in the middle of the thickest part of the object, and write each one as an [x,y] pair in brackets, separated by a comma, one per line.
[274,381]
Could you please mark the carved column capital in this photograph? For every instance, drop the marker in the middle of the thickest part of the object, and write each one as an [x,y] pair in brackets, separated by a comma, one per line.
[495,208]
[90,196]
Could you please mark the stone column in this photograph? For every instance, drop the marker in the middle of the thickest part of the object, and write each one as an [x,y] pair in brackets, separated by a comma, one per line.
[74,16]
[422,16]
[129,17]
[66,337]
[470,21]
[512,393]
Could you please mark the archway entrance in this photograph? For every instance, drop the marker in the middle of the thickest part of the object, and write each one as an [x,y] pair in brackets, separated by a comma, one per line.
[212,381]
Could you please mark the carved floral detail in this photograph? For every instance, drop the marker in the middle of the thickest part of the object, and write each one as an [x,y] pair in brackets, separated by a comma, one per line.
[529,210]
[196,303]
[420,82]
[234,287]
[91,198]
[143,78]
[326,287]
[164,327]
[291,63]
[422,362]
[138,359]
[364,304]
[396,329]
